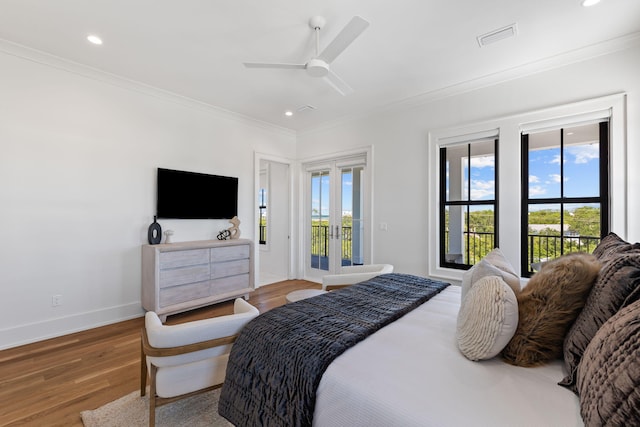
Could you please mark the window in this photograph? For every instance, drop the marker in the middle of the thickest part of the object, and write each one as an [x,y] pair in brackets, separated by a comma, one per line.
[262,215]
[468,202]
[583,190]
[565,192]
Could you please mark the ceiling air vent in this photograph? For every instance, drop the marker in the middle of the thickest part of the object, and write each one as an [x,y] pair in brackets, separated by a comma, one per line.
[306,107]
[497,35]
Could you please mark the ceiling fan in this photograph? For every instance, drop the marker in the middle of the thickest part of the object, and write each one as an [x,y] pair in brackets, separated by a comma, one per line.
[318,66]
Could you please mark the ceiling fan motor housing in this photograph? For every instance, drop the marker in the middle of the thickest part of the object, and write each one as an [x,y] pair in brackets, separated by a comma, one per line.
[317,68]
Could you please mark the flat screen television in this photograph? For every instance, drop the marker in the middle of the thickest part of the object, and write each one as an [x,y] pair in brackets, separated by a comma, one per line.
[192,195]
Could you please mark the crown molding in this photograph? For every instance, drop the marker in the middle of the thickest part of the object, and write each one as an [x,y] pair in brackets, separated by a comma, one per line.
[567,58]
[43,58]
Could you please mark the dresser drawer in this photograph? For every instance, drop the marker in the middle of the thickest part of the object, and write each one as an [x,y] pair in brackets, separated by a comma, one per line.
[184,275]
[228,253]
[229,268]
[229,284]
[180,294]
[180,276]
[184,258]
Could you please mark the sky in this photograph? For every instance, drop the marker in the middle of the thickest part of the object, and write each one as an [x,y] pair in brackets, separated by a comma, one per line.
[581,177]
[581,173]
[320,193]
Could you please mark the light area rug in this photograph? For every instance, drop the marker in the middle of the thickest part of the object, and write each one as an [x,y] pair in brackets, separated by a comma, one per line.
[132,410]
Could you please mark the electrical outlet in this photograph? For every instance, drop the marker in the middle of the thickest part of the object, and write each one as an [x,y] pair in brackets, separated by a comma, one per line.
[56,300]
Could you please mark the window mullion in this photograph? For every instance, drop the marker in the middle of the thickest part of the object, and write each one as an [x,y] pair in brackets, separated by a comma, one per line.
[561,191]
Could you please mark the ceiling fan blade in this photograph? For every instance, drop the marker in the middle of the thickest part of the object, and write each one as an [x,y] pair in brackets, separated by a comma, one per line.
[274,65]
[338,84]
[354,28]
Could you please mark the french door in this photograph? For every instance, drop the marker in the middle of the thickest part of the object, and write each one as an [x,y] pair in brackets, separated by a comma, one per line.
[336,215]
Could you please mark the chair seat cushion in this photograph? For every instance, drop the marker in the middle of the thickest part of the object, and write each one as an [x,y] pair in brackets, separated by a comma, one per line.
[177,380]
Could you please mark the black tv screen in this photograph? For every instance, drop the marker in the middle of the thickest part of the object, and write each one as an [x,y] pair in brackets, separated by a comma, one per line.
[192,195]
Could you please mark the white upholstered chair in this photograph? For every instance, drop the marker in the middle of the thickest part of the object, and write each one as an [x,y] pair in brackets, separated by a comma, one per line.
[354,274]
[189,358]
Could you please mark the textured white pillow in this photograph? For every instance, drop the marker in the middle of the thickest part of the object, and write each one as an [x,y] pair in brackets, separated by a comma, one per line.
[493,264]
[486,269]
[496,257]
[487,319]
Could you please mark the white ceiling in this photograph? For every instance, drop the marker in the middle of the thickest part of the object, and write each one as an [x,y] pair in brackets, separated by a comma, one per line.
[413,48]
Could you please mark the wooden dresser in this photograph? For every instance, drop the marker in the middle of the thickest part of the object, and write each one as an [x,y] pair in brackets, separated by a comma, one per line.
[177,277]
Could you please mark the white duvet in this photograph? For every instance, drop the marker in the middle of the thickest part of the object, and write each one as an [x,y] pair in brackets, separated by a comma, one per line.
[411,373]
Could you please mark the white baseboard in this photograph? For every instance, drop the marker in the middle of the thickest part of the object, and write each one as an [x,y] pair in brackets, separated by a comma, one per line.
[51,328]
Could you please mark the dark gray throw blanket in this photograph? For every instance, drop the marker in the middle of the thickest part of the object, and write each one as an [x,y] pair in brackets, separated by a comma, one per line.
[276,364]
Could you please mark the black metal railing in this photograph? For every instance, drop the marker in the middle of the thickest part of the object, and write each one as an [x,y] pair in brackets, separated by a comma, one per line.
[541,247]
[547,247]
[320,241]
[480,244]
[263,234]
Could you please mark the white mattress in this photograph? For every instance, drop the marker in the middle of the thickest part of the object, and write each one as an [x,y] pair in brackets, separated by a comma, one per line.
[411,373]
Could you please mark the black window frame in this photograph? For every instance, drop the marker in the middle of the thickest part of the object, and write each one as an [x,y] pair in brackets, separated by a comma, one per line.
[603,199]
[444,203]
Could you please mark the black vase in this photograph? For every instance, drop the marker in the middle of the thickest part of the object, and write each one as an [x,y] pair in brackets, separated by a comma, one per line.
[155,233]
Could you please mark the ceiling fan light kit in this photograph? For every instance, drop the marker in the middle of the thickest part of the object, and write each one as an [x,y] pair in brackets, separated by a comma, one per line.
[317,68]
[319,65]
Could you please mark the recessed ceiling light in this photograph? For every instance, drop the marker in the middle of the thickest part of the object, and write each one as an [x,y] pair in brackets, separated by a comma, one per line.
[288,113]
[587,3]
[94,39]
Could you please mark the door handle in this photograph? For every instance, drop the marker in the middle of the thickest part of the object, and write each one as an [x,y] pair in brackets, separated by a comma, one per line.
[337,232]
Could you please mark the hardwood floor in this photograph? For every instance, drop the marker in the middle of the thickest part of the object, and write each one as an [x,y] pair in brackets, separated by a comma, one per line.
[48,383]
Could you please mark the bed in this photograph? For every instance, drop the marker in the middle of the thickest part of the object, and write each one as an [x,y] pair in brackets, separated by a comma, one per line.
[409,372]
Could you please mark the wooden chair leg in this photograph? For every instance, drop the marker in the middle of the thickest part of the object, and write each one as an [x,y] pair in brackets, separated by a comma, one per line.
[143,372]
[152,396]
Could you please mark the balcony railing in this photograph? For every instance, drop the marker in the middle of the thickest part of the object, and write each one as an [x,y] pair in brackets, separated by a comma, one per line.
[320,242]
[541,247]
[263,234]
[480,244]
[544,248]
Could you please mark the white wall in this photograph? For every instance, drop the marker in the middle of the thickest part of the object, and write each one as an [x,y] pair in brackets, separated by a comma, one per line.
[78,157]
[400,141]
[78,153]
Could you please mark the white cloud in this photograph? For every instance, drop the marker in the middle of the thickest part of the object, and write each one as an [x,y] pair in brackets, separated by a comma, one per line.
[585,153]
[533,179]
[537,190]
[555,177]
[483,161]
[482,190]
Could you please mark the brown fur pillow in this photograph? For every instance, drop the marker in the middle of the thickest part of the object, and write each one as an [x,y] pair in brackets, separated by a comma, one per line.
[547,307]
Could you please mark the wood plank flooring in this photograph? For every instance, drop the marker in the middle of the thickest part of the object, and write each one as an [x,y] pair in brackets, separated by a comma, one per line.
[49,382]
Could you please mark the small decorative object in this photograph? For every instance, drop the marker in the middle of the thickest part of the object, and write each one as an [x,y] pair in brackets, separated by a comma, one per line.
[224,235]
[155,232]
[234,230]
[167,236]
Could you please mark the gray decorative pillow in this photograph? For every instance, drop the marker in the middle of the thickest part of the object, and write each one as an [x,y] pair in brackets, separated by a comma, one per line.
[612,245]
[617,285]
[608,378]
[487,319]
[493,264]
[547,307]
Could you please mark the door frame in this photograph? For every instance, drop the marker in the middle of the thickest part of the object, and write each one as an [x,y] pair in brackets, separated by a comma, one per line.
[293,218]
[303,199]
